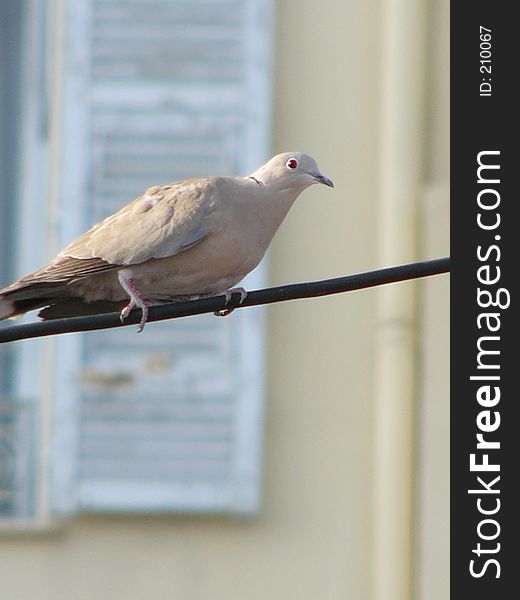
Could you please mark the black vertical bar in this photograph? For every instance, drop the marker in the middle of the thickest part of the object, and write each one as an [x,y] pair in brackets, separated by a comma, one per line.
[485,398]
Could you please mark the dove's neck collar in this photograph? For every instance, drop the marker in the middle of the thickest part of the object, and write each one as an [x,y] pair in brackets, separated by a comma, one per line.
[256,180]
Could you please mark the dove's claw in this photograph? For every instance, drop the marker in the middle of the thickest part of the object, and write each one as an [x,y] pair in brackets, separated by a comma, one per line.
[223,313]
[136,301]
[228,293]
[144,318]
[126,311]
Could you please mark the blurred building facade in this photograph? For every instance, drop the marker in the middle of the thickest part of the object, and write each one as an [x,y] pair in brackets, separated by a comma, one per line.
[327,437]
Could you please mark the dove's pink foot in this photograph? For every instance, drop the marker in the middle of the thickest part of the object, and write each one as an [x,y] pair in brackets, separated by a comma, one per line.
[228,294]
[136,301]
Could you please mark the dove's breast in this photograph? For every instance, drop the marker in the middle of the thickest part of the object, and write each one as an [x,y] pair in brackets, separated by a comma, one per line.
[216,264]
[239,234]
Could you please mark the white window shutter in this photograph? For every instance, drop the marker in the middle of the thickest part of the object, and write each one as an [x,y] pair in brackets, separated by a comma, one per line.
[22,173]
[18,475]
[169,420]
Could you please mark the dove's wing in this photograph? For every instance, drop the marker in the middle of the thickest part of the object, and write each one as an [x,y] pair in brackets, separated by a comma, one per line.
[238,215]
[162,222]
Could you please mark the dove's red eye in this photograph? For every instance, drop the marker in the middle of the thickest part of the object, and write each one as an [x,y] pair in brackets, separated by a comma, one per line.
[292,163]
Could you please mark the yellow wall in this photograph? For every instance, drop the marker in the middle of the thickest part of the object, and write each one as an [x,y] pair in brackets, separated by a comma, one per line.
[313,538]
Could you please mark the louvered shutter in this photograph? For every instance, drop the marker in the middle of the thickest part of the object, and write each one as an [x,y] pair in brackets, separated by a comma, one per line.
[18,477]
[154,91]
[20,416]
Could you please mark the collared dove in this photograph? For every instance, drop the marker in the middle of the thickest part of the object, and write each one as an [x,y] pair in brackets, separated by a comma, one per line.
[188,239]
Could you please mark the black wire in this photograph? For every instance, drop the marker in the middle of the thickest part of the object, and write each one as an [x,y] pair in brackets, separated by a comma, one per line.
[266,296]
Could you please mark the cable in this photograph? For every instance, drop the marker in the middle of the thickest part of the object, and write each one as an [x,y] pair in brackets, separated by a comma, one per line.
[281,293]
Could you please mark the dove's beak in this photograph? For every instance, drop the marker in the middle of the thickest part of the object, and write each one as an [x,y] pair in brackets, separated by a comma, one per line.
[319,178]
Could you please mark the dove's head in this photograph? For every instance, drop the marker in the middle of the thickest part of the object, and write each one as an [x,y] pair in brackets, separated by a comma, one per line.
[292,171]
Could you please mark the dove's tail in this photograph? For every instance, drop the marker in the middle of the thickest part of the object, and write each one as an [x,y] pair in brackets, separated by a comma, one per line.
[21,297]
[7,309]
[15,308]
[57,304]
[77,307]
